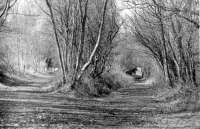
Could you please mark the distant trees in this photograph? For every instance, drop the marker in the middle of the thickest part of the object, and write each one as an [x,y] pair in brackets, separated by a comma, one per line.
[5,6]
[27,39]
[84,33]
[169,29]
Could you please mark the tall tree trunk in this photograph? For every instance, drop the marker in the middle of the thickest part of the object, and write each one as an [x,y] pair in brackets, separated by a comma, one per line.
[175,62]
[57,41]
[86,65]
[83,24]
[166,72]
[165,63]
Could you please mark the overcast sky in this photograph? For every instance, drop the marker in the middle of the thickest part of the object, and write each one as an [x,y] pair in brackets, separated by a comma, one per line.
[33,7]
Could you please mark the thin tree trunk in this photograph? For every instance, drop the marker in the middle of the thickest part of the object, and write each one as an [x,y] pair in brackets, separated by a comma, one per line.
[175,62]
[83,24]
[86,65]
[164,53]
[57,41]
[165,64]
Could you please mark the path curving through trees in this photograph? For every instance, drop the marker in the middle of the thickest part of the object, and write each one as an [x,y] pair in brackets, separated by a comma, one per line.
[135,107]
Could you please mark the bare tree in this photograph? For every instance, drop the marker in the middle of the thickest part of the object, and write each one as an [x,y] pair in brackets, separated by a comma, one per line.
[85,34]
[159,26]
[86,65]
[5,6]
[57,40]
[83,16]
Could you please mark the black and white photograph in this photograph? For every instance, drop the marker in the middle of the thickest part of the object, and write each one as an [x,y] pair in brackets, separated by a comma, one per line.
[99,64]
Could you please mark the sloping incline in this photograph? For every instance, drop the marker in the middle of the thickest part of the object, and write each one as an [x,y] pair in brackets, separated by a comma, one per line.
[30,83]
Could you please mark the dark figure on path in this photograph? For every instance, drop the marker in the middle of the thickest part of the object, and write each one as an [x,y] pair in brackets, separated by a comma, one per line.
[49,63]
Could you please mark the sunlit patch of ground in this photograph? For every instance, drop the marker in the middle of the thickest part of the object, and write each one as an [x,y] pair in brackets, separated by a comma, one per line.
[30,82]
[135,107]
